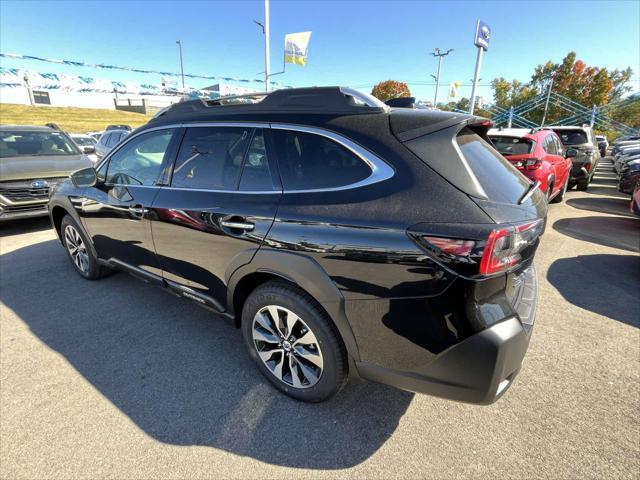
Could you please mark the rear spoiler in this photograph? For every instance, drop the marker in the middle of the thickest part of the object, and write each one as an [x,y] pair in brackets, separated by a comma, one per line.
[479,125]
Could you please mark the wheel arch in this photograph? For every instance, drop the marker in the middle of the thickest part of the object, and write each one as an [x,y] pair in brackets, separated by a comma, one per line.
[299,270]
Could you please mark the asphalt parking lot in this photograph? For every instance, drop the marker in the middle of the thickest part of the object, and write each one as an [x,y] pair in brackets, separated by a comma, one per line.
[118,379]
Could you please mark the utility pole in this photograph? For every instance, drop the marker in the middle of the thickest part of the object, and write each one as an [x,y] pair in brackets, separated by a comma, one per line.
[181,66]
[546,104]
[440,56]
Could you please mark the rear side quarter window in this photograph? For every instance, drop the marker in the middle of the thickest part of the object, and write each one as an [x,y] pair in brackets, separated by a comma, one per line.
[309,161]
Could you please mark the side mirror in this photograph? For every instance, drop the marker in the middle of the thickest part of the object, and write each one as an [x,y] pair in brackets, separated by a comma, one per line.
[571,153]
[86,177]
[89,149]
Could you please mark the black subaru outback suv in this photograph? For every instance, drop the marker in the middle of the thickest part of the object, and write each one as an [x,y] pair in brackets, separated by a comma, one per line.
[344,237]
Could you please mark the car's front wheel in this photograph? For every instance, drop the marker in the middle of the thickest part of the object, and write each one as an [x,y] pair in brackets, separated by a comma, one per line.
[79,250]
[293,342]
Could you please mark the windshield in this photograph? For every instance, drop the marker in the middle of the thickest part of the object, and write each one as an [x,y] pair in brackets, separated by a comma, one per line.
[84,141]
[30,144]
[572,137]
[512,145]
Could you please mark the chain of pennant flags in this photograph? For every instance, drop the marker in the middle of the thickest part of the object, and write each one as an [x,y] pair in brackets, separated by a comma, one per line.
[12,77]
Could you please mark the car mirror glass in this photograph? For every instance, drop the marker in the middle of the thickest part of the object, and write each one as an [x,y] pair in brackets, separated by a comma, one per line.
[87,177]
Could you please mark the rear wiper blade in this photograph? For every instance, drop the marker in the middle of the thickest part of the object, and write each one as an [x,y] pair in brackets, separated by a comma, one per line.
[530,191]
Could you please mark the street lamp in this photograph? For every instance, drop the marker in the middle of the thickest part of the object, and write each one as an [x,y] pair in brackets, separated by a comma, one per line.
[179,42]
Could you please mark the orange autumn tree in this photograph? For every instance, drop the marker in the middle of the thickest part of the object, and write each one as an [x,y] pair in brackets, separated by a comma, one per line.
[390,89]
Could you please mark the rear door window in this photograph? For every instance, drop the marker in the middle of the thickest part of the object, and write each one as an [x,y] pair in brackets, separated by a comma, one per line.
[312,162]
[210,158]
[497,177]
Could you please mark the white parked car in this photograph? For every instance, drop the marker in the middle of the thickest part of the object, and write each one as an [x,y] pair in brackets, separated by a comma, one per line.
[87,144]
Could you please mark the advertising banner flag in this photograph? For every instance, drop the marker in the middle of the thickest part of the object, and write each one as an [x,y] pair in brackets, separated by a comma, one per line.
[453,89]
[296,46]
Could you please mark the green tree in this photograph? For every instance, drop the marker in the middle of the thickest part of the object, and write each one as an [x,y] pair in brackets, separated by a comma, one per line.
[572,78]
[390,89]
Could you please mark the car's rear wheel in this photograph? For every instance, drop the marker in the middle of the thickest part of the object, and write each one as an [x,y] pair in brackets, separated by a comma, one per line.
[79,250]
[293,342]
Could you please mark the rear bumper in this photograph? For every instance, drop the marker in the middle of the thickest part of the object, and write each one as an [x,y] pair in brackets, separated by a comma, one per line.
[477,370]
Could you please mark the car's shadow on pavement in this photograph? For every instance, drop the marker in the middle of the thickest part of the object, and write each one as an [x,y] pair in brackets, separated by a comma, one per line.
[181,374]
[16,227]
[610,205]
[611,292]
[615,232]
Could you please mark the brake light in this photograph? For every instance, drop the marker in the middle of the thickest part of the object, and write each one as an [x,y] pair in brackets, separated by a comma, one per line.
[587,166]
[504,246]
[532,163]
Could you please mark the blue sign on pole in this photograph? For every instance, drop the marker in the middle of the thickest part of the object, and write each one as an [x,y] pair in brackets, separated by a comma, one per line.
[483,34]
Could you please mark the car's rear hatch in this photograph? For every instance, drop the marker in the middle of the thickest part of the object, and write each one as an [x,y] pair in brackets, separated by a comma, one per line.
[456,146]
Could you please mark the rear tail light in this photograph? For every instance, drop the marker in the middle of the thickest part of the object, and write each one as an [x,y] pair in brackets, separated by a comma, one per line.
[587,166]
[499,253]
[504,247]
[532,163]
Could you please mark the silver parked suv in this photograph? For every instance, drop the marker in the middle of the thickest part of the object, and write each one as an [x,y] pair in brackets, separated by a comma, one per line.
[585,162]
[32,160]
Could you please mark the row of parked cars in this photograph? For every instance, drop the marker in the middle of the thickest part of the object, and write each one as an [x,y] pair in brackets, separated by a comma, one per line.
[626,164]
[555,158]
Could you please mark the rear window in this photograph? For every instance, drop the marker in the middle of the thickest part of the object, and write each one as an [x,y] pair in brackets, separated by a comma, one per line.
[512,145]
[497,177]
[35,144]
[572,137]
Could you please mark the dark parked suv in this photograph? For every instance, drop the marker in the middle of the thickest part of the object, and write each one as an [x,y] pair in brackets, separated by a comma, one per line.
[342,236]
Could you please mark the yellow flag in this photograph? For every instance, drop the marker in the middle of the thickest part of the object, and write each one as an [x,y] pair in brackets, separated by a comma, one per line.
[296,47]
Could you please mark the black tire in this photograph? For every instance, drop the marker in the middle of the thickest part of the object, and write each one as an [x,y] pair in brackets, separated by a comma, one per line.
[558,198]
[286,296]
[91,270]
[582,184]
[571,185]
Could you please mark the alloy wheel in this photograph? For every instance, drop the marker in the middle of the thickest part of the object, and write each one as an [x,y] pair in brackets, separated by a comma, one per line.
[76,248]
[287,346]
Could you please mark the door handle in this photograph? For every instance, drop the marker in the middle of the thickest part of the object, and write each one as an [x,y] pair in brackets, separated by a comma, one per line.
[237,225]
[138,211]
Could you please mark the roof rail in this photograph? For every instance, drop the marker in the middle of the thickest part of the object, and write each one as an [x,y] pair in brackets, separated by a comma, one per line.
[336,100]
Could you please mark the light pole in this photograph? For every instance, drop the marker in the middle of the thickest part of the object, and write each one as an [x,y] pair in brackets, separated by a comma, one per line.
[181,66]
[265,31]
[546,104]
[29,91]
[440,56]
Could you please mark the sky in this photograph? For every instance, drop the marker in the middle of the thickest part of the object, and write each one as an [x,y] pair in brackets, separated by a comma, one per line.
[354,43]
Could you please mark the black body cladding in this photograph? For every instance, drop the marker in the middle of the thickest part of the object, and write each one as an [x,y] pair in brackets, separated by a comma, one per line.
[400,310]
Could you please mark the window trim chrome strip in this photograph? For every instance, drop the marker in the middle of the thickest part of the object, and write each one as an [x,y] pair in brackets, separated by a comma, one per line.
[380,170]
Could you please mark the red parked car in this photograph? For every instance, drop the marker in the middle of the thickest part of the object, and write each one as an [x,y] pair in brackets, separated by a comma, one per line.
[539,155]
